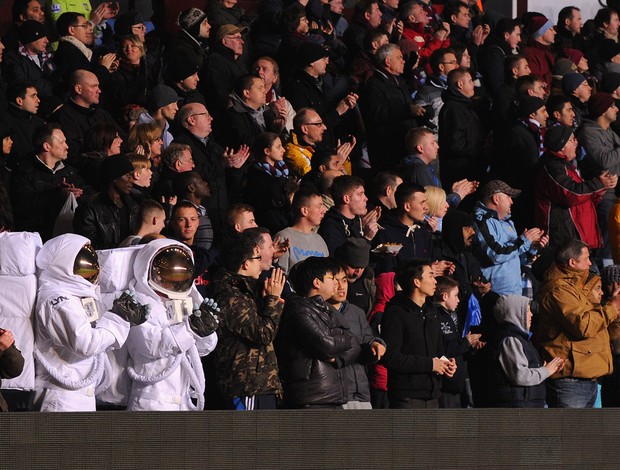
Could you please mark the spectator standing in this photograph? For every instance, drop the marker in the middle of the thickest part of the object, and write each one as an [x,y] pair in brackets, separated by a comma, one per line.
[314,338]
[461,134]
[565,202]
[250,312]
[372,347]
[574,329]
[415,355]
[40,187]
[500,246]
[517,374]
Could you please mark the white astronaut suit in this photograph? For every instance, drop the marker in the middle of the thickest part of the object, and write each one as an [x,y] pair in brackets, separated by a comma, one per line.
[164,352]
[71,329]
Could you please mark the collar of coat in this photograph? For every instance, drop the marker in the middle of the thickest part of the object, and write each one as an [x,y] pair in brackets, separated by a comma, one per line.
[79,44]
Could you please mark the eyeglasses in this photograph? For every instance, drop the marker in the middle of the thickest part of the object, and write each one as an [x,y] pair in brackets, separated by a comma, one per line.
[314,123]
[254,257]
[199,114]
[84,25]
[449,62]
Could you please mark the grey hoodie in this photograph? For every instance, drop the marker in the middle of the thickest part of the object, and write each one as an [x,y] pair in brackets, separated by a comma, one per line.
[513,309]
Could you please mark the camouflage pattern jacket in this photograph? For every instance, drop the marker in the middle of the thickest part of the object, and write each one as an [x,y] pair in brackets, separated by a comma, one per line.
[245,358]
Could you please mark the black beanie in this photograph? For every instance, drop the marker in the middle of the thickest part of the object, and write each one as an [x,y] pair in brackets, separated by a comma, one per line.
[114,167]
[123,24]
[309,52]
[556,137]
[180,67]
[529,105]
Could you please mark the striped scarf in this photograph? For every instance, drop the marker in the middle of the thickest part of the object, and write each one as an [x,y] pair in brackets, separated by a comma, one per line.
[539,132]
[279,170]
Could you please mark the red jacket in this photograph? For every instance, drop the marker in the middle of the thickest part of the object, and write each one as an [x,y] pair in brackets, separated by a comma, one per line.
[540,60]
[565,203]
[424,44]
[385,291]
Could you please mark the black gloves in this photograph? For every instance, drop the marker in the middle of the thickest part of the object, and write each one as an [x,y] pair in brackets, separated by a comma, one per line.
[204,320]
[128,308]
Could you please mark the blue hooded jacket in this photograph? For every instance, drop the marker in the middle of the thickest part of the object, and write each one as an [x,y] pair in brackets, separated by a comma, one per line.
[499,250]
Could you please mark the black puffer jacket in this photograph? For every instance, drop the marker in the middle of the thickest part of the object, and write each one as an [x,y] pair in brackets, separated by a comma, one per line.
[312,334]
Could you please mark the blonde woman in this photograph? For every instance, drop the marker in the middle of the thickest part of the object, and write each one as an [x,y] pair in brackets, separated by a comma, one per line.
[437,206]
[130,82]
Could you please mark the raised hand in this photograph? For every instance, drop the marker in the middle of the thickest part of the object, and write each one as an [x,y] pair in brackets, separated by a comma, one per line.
[128,308]
[274,284]
[204,319]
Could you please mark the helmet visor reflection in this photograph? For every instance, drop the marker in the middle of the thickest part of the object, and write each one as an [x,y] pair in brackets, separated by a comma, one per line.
[172,270]
[86,264]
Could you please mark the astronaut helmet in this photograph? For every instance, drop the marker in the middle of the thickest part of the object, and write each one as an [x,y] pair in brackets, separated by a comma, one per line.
[171,272]
[86,264]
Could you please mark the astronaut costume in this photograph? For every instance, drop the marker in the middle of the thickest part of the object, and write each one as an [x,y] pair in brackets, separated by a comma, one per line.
[72,331]
[164,363]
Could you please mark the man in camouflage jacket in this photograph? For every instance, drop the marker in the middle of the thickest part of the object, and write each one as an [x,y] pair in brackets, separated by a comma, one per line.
[246,365]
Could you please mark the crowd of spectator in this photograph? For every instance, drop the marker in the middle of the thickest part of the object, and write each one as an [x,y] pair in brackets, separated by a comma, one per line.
[388,205]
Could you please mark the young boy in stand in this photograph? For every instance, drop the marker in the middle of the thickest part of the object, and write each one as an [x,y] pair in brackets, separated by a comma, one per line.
[516,372]
[455,345]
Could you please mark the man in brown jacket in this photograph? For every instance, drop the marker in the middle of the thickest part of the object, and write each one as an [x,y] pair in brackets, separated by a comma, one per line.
[574,328]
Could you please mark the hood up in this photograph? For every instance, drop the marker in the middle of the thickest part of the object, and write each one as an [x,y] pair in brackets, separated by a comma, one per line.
[55,268]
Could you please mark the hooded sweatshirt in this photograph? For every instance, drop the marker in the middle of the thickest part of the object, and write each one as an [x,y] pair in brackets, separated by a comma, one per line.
[516,373]
[164,359]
